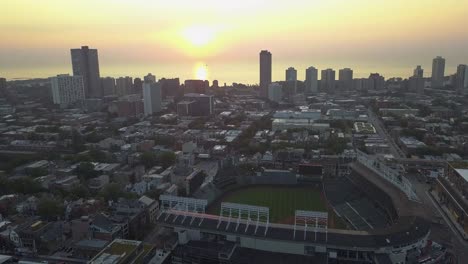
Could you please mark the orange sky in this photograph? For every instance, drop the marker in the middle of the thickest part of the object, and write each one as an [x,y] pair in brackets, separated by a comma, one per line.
[169,39]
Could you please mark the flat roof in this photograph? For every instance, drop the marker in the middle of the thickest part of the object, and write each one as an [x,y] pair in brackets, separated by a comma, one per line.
[463,173]
[5,258]
[407,230]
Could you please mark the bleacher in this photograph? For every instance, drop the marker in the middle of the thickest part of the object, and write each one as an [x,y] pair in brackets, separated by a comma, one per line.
[225,179]
[380,198]
[354,205]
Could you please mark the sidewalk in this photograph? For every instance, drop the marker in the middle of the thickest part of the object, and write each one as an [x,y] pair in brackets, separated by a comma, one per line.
[446,213]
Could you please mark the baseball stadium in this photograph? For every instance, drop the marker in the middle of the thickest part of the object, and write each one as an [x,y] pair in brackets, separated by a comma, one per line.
[369,214]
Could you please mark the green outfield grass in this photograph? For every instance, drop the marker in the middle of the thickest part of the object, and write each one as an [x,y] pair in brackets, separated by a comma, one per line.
[282,201]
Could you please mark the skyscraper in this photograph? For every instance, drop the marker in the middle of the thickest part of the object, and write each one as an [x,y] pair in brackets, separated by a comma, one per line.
[150,78]
[123,85]
[376,81]
[85,63]
[2,86]
[438,70]
[265,72]
[152,98]
[345,79]
[137,86]
[291,74]
[108,85]
[67,89]
[170,87]
[418,72]
[327,81]
[461,81]
[290,86]
[311,82]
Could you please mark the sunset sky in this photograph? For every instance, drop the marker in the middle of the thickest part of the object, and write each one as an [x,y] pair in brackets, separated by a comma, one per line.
[175,38]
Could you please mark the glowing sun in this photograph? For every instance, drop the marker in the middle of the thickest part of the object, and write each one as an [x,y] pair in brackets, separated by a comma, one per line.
[199,35]
[201,72]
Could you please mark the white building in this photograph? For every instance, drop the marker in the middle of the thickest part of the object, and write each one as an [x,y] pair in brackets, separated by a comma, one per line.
[275,92]
[311,82]
[311,114]
[67,89]
[285,124]
[152,98]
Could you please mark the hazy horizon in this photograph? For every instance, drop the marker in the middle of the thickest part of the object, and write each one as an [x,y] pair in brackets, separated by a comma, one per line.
[174,39]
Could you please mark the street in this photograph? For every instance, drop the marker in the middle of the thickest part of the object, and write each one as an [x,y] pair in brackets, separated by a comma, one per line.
[374,119]
[442,230]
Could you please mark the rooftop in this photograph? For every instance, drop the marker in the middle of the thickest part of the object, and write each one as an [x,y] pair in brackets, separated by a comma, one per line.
[463,173]
[116,252]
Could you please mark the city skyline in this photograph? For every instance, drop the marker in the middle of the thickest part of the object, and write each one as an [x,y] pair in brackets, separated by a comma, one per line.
[400,36]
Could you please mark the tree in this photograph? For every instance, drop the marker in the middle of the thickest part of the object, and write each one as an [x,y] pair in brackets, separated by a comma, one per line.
[166,159]
[148,159]
[94,137]
[77,141]
[4,185]
[50,209]
[336,145]
[98,155]
[85,170]
[25,186]
[38,172]
[164,140]
[154,194]
[114,191]
[79,192]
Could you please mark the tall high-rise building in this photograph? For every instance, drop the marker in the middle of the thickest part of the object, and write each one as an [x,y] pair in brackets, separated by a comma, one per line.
[137,85]
[327,81]
[418,72]
[124,85]
[376,82]
[152,98]
[311,81]
[108,85]
[265,72]
[170,87]
[290,86]
[291,74]
[438,70]
[85,63]
[275,92]
[2,86]
[67,90]
[345,79]
[461,80]
[149,78]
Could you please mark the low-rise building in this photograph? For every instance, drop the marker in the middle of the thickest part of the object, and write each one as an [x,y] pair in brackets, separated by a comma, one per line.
[285,124]
[364,128]
[122,251]
[452,192]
